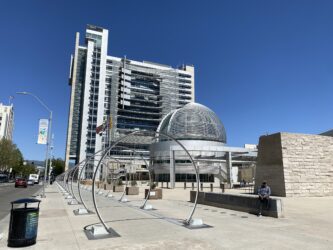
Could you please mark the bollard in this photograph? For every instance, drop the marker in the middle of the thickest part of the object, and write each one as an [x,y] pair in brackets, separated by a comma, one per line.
[184,185]
[211,187]
[222,187]
[201,186]
[162,184]
[167,184]
[192,185]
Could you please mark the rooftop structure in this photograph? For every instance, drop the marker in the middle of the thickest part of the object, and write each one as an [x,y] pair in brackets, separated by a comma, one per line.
[193,121]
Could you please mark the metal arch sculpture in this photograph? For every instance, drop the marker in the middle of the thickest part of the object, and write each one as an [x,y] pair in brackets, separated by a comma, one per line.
[196,169]
[70,179]
[118,162]
[126,181]
[67,176]
[60,179]
[63,181]
[105,153]
[149,173]
[75,170]
[85,163]
[115,158]
[66,180]
[94,177]
[78,180]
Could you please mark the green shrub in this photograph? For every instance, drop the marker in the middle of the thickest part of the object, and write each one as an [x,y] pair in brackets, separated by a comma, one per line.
[153,185]
[133,183]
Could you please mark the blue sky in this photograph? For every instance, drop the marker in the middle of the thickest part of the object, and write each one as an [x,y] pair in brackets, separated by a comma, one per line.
[262,66]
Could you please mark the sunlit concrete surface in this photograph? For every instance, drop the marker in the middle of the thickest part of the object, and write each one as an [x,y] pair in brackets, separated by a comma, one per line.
[308,224]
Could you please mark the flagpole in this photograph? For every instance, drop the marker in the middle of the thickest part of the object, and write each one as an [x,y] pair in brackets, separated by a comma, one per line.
[10,100]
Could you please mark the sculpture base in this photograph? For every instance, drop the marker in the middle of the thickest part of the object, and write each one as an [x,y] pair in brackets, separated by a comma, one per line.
[73,202]
[82,211]
[98,231]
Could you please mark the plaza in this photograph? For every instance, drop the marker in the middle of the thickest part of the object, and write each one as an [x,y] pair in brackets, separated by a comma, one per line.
[166,125]
[306,225]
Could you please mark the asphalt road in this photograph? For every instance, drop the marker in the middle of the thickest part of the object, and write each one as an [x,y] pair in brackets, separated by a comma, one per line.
[9,193]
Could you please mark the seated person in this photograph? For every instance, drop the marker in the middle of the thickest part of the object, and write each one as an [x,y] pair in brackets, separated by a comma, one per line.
[263,192]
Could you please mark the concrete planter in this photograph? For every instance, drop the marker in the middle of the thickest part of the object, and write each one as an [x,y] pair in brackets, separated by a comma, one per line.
[98,184]
[132,190]
[155,194]
[86,182]
[108,187]
[239,202]
[118,189]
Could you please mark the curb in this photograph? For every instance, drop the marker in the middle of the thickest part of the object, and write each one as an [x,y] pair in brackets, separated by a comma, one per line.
[6,184]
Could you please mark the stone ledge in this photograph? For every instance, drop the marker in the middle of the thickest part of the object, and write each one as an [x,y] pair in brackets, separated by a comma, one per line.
[243,203]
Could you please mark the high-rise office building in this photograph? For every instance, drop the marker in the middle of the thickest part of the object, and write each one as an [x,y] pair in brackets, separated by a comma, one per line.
[119,95]
[6,121]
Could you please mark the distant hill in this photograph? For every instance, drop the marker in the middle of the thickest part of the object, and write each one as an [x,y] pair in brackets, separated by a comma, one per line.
[35,162]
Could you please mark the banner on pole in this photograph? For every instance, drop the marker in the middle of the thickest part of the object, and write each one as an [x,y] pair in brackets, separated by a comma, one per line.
[42,131]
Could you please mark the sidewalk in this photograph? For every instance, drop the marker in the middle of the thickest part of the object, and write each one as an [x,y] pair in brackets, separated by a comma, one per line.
[308,225]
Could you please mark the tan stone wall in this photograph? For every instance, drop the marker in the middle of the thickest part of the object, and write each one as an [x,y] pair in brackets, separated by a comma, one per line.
[246,174]
[308,164]
[296,164]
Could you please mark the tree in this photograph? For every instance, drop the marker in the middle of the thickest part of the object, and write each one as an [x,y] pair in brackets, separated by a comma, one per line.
[58,166]
[10,155]
[16,159]
[24,170]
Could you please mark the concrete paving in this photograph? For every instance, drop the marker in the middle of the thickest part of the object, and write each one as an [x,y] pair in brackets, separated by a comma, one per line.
[308,224]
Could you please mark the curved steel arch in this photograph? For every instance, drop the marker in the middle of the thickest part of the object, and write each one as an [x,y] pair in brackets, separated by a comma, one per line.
[106,151]
[85,161]
[66,180]
[70,179]
[76,170]
[79,178]
[95,172]
[149,174]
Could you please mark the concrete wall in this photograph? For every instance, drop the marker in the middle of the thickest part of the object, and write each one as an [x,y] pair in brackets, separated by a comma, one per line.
[296,164]
[269,164]
[239,202]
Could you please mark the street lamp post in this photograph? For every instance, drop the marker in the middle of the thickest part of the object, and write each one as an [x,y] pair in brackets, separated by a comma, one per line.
[48,135]
[51,156]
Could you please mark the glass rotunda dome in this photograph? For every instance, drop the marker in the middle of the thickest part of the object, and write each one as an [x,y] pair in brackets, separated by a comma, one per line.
[193,122]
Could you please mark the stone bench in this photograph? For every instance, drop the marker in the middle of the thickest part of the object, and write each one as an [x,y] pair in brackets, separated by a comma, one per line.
[239,202]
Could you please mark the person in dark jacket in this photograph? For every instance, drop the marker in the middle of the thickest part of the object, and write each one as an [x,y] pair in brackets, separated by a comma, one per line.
[263,194]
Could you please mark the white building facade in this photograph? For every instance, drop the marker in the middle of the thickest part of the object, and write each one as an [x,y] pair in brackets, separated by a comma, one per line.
[120,95]
[6,121]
